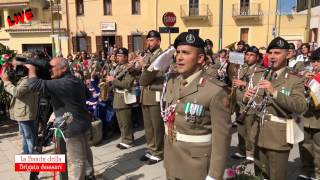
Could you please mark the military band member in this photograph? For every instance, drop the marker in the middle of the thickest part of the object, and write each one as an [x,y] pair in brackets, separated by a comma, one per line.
[284,95]
[250,69]
[151,83]
[310,148]
[197,126]
[122,80]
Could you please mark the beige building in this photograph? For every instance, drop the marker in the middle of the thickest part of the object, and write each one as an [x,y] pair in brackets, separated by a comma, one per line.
[35,34]
[96,25]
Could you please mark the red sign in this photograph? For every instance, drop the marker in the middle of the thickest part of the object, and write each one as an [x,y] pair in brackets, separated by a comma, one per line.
[169,19]
[19,17]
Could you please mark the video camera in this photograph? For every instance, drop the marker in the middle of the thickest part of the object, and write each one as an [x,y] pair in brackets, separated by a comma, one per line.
[42,67]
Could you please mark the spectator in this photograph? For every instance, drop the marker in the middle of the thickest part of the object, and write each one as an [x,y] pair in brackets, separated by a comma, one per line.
[68,95]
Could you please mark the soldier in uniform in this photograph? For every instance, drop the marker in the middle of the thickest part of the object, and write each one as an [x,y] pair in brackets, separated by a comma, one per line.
[310,148]
[241,46]
[250,69]
[151,83]
[122,81]
[197,127]
[282,94]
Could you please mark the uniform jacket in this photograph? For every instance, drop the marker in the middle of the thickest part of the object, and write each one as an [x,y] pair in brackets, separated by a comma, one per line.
[24,103]
[151,81]
[68,95]
[190,161]
[290,99]
[123,81]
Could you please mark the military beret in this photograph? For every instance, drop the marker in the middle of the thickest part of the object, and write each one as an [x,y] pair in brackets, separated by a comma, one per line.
[278,43]
[253,49]
[315,56]
[187,38]
[153,34]
[123,51]
[292,46]
[241,42]
[208,42]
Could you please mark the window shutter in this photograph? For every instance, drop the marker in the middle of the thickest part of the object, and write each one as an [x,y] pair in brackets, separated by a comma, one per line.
[74,45]
[88,39]
[99,44]
[144,42]
[119,41]
[130,43]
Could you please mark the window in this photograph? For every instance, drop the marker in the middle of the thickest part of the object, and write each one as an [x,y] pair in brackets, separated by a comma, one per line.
[193,7]
[136,7]
[244,34]
[107,7]
[1,21]
[79,7]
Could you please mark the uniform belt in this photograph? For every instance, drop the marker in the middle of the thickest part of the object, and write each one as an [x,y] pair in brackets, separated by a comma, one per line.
[191,138]
[119,91]
[274,118]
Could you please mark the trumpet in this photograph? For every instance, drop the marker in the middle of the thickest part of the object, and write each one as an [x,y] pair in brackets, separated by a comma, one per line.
[251,103]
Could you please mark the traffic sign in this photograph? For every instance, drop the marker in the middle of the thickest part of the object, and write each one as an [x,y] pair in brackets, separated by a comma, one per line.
[169,19]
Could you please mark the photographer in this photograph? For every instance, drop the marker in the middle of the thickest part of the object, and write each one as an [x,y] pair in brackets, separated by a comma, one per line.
[23,106]
[68,97]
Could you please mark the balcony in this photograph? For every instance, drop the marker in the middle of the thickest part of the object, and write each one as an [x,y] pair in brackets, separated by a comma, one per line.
[246,11]
[13,3]
[194,12]
[34,27]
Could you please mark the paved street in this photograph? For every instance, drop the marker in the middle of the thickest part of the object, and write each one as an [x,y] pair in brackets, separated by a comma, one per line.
[109,162]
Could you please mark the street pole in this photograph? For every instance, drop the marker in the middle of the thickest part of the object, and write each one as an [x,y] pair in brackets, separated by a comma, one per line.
[276,18]
[52,32]
[59,40]
[280,11]
[308,22]
[220,24]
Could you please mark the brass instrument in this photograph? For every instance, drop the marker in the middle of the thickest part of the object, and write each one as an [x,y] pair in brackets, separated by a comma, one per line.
[233,94]
[251,103]
[103,84]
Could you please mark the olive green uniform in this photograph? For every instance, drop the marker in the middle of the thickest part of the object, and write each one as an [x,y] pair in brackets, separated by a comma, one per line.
[151,83]
[123,81]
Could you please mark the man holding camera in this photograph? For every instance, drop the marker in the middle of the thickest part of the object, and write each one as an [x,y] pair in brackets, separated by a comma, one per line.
[68,98]
[23,107]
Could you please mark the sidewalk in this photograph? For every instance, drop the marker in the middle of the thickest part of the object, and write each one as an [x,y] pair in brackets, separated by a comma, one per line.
[111,163]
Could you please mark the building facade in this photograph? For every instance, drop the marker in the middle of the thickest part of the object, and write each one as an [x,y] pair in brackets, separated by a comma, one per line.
[35,33]
[100,25]
[302,6]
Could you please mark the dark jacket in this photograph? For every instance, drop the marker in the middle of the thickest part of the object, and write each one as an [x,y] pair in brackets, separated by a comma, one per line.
[68,94]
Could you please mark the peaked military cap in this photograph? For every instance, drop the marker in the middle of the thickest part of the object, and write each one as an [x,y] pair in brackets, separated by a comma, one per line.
[187,38]
[153,34]
[123,51]
[253,49]
[278,43]
[315,56]
[241,42]
[292,46]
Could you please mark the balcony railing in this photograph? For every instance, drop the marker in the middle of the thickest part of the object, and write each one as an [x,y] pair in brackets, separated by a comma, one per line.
[252,10]
[33,26]
[194,11]
[14,3]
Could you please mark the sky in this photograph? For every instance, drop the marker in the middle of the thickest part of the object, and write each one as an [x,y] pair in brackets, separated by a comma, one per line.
[286,5]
